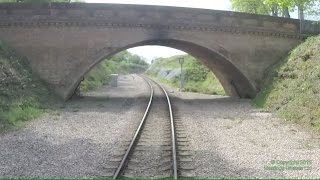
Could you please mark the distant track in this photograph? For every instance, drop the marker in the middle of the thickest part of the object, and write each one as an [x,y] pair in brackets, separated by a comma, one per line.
[174,164]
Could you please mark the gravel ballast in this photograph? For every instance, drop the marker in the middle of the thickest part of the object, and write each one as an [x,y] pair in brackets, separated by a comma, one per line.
[79,139]
[151,158]
[228,137]
[232,139]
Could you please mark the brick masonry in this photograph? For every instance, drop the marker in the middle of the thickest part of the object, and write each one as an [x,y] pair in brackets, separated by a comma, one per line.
[64,41]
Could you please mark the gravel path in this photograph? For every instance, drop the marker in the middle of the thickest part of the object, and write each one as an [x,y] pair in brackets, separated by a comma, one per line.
[79,139]
[231,139]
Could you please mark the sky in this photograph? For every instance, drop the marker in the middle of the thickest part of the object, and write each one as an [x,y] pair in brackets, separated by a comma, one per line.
[151,52]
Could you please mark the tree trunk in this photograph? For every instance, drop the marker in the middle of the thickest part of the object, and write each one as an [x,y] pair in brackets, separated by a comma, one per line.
[285,12]
[301,13]
[274,10]
[301,17]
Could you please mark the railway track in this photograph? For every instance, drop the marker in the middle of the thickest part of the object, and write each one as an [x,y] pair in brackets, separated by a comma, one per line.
[152,151]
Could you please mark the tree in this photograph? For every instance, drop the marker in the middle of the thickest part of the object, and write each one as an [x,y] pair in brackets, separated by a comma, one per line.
[314,10]
[274,7]
[283,6]
[250,6]
[304,5]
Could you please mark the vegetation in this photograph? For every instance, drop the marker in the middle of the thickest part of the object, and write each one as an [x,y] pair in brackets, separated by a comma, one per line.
[121,63]
[276,7]
[292,87]
[23,96]
[197,77]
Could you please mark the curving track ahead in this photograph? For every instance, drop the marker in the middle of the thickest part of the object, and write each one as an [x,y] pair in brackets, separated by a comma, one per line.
[125,162]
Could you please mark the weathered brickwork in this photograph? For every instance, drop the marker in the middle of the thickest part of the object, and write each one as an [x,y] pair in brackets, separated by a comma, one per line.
[64,41]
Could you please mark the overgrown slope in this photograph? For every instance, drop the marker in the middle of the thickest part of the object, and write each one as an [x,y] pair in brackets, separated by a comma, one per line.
[197,77]
[293,87]
[121,63]
[23,96]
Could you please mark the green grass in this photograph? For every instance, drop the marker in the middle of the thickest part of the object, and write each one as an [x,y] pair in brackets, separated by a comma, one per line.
[292,87]
[18,113]
[23,96]
[198,78]
[121,63]
[210,85]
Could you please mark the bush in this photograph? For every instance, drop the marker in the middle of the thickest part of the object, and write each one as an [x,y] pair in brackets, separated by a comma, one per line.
[292,87]
[120,63]
[23,96]
[198,78]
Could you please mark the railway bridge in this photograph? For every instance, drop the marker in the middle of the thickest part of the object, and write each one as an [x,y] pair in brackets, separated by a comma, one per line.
[64,41]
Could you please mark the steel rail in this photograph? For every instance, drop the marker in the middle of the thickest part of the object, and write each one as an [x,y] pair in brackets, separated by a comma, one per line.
[138,131]
[173,134]
[135,137]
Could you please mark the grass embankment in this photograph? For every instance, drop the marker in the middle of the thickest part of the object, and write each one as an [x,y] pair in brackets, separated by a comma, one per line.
[197,77]
[23,96]
[292,87]
[121,63]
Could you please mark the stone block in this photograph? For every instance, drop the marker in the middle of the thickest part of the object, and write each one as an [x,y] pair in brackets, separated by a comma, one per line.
[114,80]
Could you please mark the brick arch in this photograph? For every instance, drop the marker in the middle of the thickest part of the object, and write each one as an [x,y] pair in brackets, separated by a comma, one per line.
[64,41]
[234,82]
